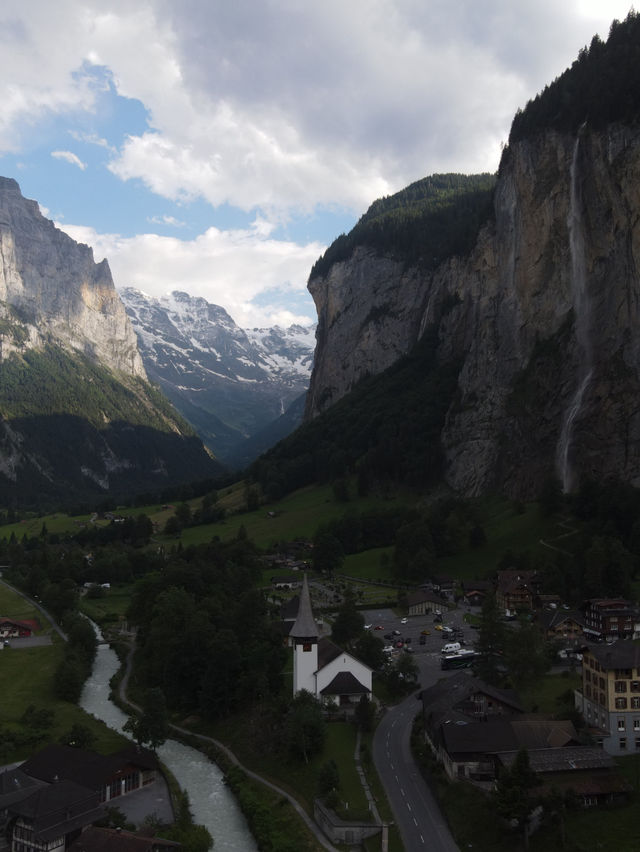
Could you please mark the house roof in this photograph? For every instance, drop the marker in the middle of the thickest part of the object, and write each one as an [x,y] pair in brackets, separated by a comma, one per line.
[423,597]
[569,759]
[622,654]
[304,627]
[96,839]
[88,768]
[328,651]
[502,734]
[59,808]
[345,683]
[15,785]
[550,618]
[448,692]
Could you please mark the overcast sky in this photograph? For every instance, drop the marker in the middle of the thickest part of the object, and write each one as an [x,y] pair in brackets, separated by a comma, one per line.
[218,146]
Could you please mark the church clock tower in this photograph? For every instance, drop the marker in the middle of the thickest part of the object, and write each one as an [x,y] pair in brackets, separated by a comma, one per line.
[304,637]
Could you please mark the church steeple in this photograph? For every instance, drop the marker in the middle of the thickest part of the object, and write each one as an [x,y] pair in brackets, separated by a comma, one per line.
[304,636]
[304,627]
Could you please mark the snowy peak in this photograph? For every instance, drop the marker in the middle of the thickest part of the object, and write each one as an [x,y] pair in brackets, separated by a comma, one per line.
[228,382]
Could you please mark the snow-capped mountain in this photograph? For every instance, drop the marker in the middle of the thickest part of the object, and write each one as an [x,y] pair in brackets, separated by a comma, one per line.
[229,383]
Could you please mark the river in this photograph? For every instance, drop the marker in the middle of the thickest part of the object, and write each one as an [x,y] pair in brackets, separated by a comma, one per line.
[212,804]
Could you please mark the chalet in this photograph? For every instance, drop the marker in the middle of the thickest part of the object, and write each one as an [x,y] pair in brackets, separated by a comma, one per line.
[10,628]
[445,587]
[285,582]
[563,625]
[423,602]
[474,592]
[516,590]
[463,698]
[332,675]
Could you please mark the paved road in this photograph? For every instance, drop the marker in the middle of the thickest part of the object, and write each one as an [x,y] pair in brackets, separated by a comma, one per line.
[417,815]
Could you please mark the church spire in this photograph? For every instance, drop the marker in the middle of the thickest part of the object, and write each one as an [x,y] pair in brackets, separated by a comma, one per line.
[304,626]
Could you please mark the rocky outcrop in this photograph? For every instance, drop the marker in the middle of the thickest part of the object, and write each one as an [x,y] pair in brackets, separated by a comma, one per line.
[51,288]
[543,314]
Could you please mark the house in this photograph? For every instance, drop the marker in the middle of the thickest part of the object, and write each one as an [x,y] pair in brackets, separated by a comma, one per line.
[588,772]
[96,839]
[11,628]
[472,750]
[111,776]
[564,625]
[463,698]
[332,675]
[474,592]
[50,816]
[445,587]
[516,590]
[611,618]
[423,602]
[610,696]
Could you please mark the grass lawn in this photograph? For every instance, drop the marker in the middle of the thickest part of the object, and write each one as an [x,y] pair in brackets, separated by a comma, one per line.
[15,606]
[110,608]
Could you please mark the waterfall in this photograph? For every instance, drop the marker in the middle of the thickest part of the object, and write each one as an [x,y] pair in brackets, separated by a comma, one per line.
[582,323]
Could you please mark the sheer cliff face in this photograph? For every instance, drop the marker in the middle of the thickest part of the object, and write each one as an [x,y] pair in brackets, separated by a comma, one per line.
[51,286]
[543,314]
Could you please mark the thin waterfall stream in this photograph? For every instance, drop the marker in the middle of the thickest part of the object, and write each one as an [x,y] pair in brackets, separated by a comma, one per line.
[212,803]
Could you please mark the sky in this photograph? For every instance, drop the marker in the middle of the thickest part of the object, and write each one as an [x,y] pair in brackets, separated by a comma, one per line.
[219,146]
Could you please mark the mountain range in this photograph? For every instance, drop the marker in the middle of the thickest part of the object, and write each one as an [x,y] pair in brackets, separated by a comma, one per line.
[230,384]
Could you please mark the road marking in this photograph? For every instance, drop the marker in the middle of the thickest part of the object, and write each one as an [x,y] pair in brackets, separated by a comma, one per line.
[408,805]
[416,821]
[421,839]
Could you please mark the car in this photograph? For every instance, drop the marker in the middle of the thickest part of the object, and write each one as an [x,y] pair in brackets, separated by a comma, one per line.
[423,639]
[425,633]
[403,620]
[408,650]
[378,627]
[439,627]
[388,636]
[397,633]
[447,629]
[368,626]
[399,643]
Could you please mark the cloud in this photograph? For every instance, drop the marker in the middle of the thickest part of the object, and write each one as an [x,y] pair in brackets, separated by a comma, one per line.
[70,158]
[166,220]
[228,268]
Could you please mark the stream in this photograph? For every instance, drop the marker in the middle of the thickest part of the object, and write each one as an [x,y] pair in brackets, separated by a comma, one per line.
[212,804]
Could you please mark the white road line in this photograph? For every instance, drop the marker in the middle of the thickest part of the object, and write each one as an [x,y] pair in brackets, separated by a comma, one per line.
[416,821]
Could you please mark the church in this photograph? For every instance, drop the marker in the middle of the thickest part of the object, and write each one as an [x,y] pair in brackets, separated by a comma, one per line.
[332,675]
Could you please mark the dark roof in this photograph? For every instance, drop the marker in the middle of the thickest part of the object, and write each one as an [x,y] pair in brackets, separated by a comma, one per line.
[622,654]
[503,734]
[451,691]
[56,762]
[328,651]
[422,597]
[289,609]
[304,626]
[15,785]
[344,683]
[58,809]
[569,759]
[477,586]
[550,618]
[96,839]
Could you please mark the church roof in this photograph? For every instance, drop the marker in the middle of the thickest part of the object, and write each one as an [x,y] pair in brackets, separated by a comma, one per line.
[344,683]
[304,626]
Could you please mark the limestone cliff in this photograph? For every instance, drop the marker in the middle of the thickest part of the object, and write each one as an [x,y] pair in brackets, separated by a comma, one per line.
[51,286]
[543,313]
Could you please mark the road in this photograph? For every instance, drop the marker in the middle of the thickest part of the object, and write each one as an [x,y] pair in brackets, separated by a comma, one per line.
[417,815]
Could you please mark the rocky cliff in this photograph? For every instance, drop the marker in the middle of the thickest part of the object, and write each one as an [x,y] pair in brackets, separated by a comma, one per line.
[542,314]
[53,287]
[78,418]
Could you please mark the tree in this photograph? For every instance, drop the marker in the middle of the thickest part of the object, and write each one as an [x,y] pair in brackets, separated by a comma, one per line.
[78,736]
[305,729]
[328,778]
[365,713]
[349,623]
[490,641]
[512,796]
[152,726]
[328,554]
[525,655]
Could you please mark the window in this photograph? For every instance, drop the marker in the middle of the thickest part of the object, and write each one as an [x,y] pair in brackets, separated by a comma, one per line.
[636,724]
[587,676]
[601,683]
[621,724]
[622,742]
[306,646]
[621,686]
[637,743]
[635,703]
[621,703]
[635,686]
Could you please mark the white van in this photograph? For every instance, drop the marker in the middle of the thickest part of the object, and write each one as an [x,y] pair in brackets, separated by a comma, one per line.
[451,648]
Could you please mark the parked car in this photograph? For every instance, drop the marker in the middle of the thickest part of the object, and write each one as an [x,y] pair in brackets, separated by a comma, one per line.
[378,627]
[388,636]
[425,633]
[403,620]
[399,643]
[368,627]
[439,627]
[423,639]
[397,633]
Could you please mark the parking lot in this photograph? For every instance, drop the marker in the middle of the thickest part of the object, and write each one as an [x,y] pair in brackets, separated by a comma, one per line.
[384,621]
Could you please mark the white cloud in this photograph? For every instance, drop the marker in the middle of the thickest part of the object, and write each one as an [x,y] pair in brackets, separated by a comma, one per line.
[228,268]
[166,220]
[70,157]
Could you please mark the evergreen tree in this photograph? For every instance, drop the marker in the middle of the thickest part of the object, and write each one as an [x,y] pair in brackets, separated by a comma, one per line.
[490,644]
